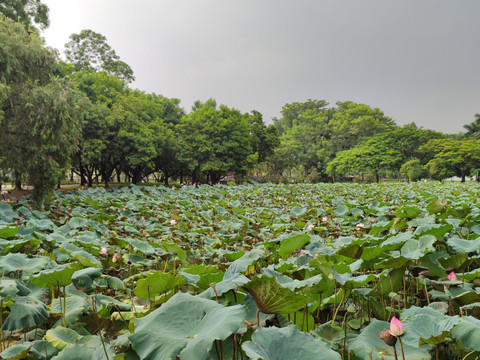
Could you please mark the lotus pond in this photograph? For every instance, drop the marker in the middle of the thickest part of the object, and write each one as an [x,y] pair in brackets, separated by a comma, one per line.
[243,272]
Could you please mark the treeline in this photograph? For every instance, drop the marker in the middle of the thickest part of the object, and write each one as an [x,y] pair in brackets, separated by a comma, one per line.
[81,117]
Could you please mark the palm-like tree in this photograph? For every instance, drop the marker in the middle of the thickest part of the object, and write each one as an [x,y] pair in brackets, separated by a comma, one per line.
[473,129]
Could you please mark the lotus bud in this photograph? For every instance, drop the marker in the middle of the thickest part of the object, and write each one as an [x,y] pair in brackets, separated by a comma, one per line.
[116,258]
[388,338]
[173,222]
[396,327]
[452,276]
[103,251]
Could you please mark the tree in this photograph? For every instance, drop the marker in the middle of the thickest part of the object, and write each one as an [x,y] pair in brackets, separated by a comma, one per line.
[215,142]
[27,12]
[40,115]
[374,154]
[90,51]
[413,170]
[461,156]
[473,129]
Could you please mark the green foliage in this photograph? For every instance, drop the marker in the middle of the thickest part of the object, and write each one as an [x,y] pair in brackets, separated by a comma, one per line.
[27,12]
[413,170]
[40,116]
[90,51]
[215,141]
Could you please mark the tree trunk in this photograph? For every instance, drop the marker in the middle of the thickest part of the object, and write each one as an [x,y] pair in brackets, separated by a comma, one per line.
[18,180]
[377,177]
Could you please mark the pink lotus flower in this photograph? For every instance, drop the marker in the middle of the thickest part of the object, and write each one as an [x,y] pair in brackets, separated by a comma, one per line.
[311,227]
[124,209]
[396,327]
[360,225]
[173,222]
[325,219]
[103,251]
[116,258]
[452,276]
[143,218]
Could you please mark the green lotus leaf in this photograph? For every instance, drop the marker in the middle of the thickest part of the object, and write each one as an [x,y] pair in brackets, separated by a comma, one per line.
[115,283]
[25,313]
[408,212]
[437,206]
[368,345]
[298,211]
[15,352]
[467,332]
[464,246]
[83,279]
[272,298]
[42,224]
[61,337]
[76,306]
[286,343]
[43,350]
[84,352]
[426,329]
[415,249]
[21,262]
[186,326]
[8,288]
[437,230]
[232,277]
[58,277]
[83,257]
[7,214]
[157,283]
[174,248]
[8,231]
[290,244]
[330,335]
[341,211]
[457,261]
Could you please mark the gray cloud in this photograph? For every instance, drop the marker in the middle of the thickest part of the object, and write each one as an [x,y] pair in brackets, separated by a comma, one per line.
[415,60]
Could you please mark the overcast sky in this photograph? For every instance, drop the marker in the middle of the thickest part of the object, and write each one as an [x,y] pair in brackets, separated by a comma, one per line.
[418,61]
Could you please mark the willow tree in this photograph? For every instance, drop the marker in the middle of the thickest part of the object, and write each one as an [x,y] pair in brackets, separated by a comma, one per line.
[40,114]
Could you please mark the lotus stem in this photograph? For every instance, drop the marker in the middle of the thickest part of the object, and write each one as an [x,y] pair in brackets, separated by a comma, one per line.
[64,306]
[338,308]
[258,318]
[395,352]
[470,353]
[401,347]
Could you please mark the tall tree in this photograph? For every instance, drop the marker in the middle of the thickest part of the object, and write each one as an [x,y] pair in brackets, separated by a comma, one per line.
[463,156]
[40,115]
[215,141]
[90,51]
[27,12]
[473,129]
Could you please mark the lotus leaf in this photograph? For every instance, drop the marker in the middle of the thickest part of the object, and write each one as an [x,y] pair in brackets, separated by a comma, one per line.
[75,307]
[83,279]
[21,262]
[368,345]
[468,332]
[61,337]
[59,276]
[286,343]
[290,244]
[272,298]
[186,326]
[157,283]
[8,232]
[15,352]
[25,313]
